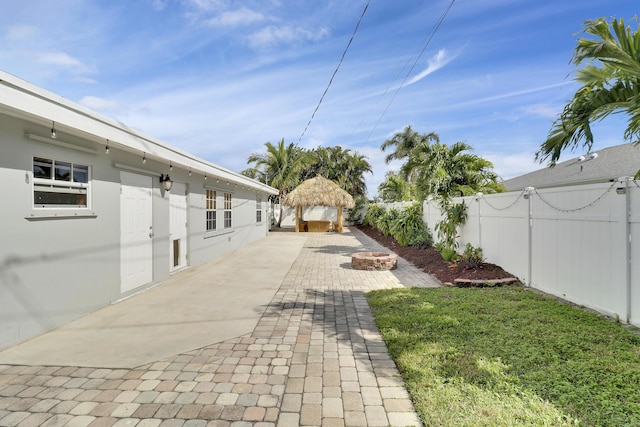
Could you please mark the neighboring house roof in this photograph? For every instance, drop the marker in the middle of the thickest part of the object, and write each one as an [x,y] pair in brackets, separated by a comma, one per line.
[603,165]
[24,100]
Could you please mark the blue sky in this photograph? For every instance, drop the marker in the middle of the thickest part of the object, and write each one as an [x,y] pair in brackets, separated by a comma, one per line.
[219,78]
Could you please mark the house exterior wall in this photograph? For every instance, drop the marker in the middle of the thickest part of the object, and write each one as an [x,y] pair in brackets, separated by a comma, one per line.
[57,267]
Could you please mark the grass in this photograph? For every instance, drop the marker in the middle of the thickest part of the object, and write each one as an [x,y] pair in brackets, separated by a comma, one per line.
[508,356]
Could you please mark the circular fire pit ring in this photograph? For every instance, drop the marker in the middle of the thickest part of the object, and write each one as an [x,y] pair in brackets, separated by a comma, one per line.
[373,261]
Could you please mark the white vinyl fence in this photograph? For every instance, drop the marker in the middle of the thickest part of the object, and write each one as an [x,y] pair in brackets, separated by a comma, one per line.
[580,243]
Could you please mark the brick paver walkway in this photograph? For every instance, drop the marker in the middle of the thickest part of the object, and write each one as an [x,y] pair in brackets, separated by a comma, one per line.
[316,358]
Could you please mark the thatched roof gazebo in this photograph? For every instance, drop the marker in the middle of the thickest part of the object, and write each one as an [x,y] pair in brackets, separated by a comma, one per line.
[318,191]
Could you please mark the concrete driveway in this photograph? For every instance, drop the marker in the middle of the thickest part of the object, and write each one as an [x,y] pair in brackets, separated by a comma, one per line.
[211,303]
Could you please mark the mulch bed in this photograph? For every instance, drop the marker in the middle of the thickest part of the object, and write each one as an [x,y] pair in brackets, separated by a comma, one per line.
[430,261]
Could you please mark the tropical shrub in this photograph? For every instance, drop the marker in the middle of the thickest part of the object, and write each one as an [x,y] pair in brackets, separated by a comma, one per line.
[455,216]
[408,227]
[384,221]
[449,254]
[355,214]
[471,257]
[373,213]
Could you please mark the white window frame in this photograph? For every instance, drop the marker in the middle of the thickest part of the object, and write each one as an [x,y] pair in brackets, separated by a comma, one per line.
[53,185]
[228,209]
[258,210]
[211,208]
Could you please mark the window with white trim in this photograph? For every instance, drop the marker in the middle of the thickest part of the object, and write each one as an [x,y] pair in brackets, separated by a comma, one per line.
[227,210]
[60,184]
[210,208]
[258,209]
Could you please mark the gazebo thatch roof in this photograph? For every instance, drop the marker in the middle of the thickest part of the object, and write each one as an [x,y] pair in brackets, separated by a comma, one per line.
[319,191]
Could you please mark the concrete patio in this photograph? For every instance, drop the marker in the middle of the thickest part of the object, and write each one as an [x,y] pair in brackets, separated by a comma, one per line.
[278,333]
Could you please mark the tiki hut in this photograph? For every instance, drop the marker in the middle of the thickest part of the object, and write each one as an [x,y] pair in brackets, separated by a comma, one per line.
[318,191]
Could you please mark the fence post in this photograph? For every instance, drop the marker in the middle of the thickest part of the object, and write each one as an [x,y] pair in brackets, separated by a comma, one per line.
[477,199]
[528,193]
[624,189]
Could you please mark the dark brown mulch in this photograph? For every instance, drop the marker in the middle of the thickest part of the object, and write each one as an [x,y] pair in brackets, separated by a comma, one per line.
[430,261]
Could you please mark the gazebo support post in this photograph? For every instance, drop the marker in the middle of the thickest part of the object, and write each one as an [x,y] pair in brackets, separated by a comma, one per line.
[339,227]
[297,219]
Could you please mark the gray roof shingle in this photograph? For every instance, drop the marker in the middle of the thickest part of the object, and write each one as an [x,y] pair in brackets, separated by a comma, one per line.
[609,164]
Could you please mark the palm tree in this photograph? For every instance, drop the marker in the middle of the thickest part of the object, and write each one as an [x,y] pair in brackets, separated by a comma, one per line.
[394,188]
[281,167]
[406,141]
[612,87]
[449,171]
[353,170]
[342,166]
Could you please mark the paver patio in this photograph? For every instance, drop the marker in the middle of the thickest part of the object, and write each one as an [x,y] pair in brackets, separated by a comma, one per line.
[315,358]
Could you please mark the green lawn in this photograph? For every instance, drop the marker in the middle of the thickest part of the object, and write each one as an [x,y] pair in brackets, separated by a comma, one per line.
[508,356]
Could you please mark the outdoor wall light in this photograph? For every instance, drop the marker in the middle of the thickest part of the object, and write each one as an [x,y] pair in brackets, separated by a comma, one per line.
[144,158]
[106,148]
[54,134]
[166,182]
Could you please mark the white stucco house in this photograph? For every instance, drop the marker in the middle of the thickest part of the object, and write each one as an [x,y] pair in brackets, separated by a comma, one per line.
[86,220]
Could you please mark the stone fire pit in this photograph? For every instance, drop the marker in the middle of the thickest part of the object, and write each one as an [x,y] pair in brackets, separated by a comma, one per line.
[372,261]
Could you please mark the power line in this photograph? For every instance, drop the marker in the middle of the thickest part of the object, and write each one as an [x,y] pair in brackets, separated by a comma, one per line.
[336,70]
[433,33]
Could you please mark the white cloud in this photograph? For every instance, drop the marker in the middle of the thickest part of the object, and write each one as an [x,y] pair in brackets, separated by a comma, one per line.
[158,4]
[544,110]
[85,80]
[512,165]
[513,94]
[63,60]
[206,5]
[21,32]
[272,36]
[435,63]
[102,105]
[233,18]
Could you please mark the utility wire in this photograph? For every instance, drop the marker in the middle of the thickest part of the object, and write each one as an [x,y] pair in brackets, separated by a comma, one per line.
[433,33]
[336,70]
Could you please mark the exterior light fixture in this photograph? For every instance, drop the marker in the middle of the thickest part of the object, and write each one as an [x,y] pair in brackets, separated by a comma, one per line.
[106,149]
[205,176]
[166,182]
[170,166]
[189,171]
[528,191]
[54,134]
[144,158]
